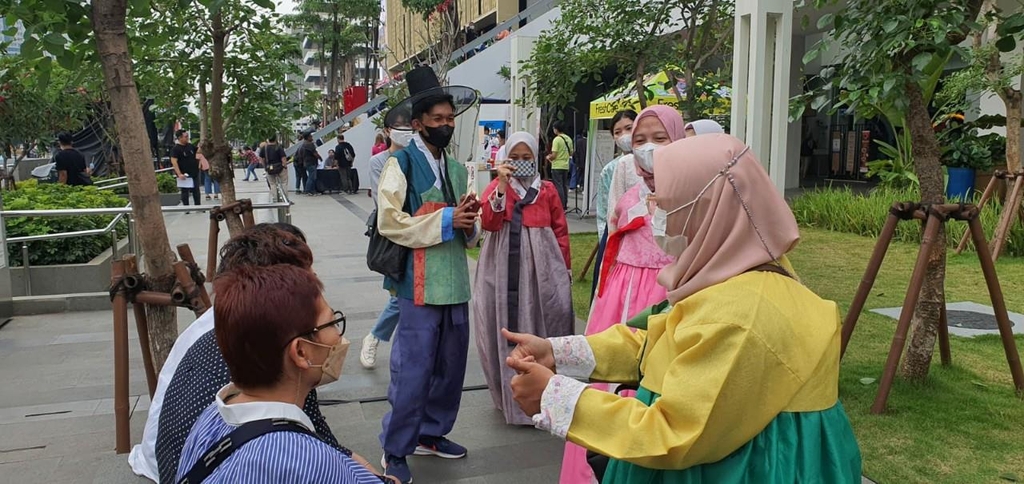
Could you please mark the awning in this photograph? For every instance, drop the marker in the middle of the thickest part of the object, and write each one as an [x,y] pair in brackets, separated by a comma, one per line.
[658,92]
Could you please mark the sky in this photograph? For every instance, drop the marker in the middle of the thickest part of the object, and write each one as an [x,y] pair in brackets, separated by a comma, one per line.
[285,6]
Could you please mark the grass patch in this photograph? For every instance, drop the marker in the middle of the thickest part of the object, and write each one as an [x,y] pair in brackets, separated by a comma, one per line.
[843,210]
[964,424]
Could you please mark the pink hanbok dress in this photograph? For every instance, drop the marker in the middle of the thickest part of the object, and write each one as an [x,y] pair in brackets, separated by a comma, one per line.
[628,285]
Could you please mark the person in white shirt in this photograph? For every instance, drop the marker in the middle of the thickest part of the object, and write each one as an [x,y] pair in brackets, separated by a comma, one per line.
[195,370]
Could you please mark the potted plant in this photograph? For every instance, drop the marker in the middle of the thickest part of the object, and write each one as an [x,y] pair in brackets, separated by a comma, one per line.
[997,147]
[964,153]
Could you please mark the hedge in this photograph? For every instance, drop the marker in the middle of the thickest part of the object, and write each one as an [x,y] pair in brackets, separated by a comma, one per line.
[842,210]
[32,196]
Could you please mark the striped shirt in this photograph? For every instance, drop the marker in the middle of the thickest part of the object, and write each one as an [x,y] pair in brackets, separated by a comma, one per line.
[273,458]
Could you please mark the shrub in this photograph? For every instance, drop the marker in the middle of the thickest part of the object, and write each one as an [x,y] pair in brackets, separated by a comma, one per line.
[32,196]
[842,210]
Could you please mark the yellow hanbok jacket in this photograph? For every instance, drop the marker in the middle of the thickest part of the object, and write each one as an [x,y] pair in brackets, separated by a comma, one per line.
[738,383]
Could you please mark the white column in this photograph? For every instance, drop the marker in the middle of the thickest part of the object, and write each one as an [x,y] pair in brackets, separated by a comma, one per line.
[761,80]
[524,118]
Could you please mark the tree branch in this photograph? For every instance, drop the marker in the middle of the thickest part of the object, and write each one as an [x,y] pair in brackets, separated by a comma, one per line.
[234,109]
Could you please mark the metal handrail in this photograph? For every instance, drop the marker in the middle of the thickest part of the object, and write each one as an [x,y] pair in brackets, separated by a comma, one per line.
[64,212]
[105,183]
[283,208]
[68,235]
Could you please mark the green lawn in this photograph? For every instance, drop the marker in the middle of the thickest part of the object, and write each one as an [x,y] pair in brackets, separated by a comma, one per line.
[964,425]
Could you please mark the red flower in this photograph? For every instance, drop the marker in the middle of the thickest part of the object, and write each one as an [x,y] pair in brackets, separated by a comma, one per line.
[2,99]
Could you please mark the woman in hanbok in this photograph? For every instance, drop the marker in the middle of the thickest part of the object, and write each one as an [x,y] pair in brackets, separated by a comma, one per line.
[522,279]
[622,132]
[739,380]
[629,270]
[632,260]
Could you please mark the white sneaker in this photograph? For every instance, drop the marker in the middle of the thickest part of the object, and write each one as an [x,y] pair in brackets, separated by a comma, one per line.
[368,354]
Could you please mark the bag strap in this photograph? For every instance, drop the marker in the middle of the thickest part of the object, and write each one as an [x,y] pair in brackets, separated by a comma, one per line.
[771,268]
[223,448]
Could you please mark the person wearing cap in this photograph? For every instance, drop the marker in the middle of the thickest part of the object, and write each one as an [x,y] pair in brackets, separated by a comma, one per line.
[739,381]
[423,206]
[399,135]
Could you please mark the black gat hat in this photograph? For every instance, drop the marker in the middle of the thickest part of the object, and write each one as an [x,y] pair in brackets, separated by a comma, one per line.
[423,84]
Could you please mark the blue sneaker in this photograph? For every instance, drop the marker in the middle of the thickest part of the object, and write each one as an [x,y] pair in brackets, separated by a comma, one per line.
[396,467]
[440,447]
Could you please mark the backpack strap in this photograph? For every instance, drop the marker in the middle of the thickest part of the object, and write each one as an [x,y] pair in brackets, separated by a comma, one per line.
[412,199]
[222,449]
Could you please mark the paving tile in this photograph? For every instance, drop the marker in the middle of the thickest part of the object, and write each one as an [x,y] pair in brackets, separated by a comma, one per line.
[21,472]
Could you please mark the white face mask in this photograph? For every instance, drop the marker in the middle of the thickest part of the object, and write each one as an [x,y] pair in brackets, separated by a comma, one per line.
[673,245]
[644,156]
[625,142]
[401,137]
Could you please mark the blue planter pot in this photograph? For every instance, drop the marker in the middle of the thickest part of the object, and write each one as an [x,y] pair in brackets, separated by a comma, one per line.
[960,185]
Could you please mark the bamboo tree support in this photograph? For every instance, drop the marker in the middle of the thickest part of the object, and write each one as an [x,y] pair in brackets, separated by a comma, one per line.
[933,216]
[1009,215]
[590,260]
[127,285]
[1006,220]
[243,208]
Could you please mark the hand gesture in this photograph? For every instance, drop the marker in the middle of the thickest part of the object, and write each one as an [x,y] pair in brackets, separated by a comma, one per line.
[505,171]
[530,346]
[529,383]
[465,217]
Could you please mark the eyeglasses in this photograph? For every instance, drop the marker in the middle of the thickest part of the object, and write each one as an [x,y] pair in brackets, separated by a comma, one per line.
[338,322]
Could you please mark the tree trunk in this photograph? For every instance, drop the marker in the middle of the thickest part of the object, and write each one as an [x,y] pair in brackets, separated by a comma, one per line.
[1013,115]
[108,21]
[925,323]
[218,151]
[641,92]
[332,82]
[204,110]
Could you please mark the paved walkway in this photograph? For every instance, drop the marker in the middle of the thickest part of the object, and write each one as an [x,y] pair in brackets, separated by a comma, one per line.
[56,411]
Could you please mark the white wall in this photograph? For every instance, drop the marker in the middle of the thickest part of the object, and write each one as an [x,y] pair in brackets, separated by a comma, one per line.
[796,72]
[361,138]
[480,73]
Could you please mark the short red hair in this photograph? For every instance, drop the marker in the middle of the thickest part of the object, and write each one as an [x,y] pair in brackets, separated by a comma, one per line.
[257,312]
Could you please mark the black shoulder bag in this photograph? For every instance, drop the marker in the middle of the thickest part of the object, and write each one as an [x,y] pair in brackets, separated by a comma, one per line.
[220,451]
[382,255]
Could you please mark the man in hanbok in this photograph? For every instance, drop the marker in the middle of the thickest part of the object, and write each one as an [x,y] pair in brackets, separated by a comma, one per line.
[423,206]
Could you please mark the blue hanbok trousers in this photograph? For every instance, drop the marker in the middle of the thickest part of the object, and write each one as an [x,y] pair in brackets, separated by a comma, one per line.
[428,368]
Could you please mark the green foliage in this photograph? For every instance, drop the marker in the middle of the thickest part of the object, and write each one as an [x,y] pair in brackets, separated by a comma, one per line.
[32,196]
[32,112]
[424,7]
[897,170]
[842,210]
[642,39]
[963,148]
[887,46]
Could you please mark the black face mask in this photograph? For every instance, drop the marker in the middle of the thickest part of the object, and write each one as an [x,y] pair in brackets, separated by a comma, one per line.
[439,137]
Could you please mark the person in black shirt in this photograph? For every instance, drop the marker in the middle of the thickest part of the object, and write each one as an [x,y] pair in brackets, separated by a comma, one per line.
[301,176]
[346,156]
[70,164]
[309,157]
[183,159]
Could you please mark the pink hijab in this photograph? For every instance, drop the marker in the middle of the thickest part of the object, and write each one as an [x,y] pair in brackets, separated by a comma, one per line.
[669,117]
[739,222]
